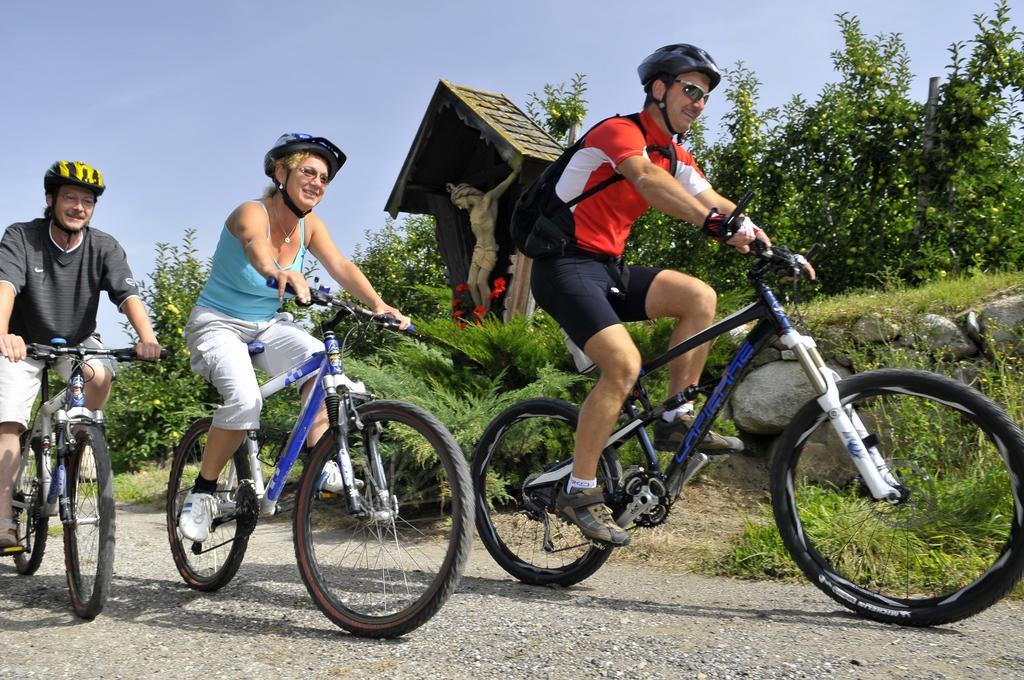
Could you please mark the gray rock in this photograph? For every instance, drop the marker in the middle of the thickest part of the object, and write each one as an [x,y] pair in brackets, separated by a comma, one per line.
[943,338]
[875,328]
[1003,323]
[766,400]
[765,356]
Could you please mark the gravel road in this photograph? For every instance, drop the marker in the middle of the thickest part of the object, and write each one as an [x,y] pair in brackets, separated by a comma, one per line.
[622,622]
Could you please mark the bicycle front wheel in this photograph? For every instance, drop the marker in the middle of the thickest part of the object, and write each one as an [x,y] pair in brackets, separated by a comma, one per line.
[212,564]
[517,522]
[952,545]
[89,531]
[30,514]
[384,565]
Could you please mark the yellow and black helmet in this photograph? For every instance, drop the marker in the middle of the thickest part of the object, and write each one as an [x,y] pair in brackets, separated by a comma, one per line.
[73,172]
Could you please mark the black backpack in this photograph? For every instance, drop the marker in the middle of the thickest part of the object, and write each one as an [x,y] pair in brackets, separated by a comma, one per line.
[542,224]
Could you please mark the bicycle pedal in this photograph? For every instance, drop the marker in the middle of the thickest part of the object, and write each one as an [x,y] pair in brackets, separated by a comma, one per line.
[12,550]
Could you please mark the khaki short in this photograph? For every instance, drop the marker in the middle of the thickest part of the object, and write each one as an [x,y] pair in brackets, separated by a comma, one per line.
[218,346]
[20,382]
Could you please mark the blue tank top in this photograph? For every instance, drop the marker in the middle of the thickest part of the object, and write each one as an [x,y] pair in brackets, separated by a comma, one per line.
[235,287]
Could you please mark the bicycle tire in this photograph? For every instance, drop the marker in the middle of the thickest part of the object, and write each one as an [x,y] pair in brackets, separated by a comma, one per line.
[31,519]
[89,535]
[538,434]
[386,573]
[221,554]
[952,547]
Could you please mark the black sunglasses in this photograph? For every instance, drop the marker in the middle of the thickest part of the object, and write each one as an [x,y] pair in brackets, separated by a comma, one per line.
[693,91]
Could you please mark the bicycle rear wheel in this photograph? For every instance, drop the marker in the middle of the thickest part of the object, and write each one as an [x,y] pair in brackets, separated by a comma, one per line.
[518,526]
[952,546]
[89,532]
[29,514]
[386,569]
[212,564]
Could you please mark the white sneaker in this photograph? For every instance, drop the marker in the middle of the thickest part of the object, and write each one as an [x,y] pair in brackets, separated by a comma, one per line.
[330,478]
[196,516]
[8,533]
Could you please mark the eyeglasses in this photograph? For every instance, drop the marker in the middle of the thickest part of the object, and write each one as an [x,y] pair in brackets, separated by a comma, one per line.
[312,173]
[88,202]
[693,91]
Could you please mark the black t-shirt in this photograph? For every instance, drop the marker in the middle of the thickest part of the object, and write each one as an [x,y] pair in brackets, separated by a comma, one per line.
[57,293]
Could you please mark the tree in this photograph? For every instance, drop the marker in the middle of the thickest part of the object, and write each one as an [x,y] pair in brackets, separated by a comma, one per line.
[972,178]
[152,404]
[561,109]
[403,263]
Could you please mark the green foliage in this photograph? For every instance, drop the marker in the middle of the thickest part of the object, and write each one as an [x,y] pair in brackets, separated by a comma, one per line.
[404,265]
[153,403]
[863,173]
[972,194]
[561,108]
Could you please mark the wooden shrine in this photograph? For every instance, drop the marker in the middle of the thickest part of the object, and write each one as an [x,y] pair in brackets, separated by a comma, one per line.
[477,138]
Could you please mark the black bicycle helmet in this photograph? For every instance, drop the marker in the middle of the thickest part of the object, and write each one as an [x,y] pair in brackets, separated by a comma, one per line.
[73,172]
[671,60]
[299,141]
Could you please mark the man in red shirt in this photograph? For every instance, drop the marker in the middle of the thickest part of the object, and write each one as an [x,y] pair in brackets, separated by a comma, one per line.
[582,290]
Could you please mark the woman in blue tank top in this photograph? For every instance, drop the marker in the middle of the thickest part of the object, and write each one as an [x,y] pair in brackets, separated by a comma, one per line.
[268,237]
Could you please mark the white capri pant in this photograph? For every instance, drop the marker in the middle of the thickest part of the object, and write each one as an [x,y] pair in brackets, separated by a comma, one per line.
[217,343]
[20,381]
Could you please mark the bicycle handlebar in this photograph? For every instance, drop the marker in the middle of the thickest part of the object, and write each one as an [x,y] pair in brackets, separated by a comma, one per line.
[775,259]
[44,352]
[325,299]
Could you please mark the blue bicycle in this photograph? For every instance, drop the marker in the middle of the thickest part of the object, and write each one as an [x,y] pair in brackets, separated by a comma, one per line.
[378,557]
[66,473]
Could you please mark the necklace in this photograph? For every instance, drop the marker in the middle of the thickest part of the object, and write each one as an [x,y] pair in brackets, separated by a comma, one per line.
[288,236]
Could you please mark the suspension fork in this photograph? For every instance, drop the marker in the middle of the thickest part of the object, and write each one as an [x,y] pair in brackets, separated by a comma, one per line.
[57,494]
[341,415]
[844,419]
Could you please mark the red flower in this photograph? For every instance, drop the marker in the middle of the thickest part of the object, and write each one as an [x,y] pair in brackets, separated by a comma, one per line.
[456,302]
[478,311]
[498,290]
[461,288]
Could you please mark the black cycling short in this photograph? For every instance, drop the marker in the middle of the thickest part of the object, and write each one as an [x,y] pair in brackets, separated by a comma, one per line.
[575,291]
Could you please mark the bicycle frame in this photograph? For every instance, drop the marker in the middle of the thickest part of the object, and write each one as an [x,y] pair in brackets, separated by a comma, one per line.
[330,380]
[54,477]
[772,322]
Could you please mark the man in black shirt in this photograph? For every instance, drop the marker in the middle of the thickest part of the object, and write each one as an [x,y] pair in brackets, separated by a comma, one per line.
[52,271]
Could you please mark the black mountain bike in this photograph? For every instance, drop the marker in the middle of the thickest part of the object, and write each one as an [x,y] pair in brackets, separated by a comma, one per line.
[874,482]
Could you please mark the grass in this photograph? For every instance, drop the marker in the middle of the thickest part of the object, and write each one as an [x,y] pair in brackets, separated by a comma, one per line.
[898,302]
[148,486]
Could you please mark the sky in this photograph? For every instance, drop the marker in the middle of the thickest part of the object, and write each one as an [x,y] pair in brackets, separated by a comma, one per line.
[177,102]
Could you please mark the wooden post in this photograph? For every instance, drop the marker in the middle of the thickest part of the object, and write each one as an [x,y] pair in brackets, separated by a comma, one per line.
[928,143]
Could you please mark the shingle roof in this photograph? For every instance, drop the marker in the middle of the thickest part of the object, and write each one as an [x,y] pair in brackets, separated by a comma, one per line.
[506,118]
[466,133]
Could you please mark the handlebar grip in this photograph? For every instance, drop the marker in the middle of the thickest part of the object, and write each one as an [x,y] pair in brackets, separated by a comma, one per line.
[315,296]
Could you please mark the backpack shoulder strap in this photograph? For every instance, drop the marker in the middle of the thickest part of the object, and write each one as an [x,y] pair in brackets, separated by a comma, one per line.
[616,177]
